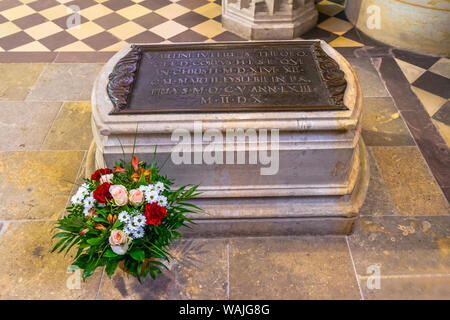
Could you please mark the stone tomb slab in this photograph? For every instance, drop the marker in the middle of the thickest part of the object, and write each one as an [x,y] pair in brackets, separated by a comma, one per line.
[314,102]
[226,78]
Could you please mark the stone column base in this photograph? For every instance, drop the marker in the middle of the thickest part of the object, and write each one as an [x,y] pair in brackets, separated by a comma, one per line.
[283,216]
[321,215]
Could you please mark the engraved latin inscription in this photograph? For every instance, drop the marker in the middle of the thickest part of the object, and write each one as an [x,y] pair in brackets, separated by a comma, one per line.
[229,79]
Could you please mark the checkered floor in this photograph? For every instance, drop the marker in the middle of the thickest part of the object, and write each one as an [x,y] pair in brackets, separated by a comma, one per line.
[107,25]
[429,78]
[47,27]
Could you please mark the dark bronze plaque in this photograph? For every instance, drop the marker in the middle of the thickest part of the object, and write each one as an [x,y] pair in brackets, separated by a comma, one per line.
[227,77]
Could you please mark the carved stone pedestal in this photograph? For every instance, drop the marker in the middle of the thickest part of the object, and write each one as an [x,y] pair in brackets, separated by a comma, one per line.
[268,19]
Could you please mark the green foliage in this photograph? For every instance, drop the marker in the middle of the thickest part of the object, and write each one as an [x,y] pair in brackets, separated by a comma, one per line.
[89,235]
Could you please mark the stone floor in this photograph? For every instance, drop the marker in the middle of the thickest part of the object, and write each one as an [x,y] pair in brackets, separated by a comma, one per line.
[404,230]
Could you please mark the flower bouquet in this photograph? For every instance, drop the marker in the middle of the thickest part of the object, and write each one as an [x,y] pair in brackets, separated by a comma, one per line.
[127,216]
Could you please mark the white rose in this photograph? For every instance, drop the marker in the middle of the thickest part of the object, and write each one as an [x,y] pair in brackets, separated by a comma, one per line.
[121,250]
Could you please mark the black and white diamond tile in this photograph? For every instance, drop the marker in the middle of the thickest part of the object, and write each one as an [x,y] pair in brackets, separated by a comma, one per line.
[107,25]
[429,77]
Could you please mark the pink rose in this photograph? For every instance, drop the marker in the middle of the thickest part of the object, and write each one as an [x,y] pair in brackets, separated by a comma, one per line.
[117,238]
[118,241]
[119,194]
[106,178]
[136,197]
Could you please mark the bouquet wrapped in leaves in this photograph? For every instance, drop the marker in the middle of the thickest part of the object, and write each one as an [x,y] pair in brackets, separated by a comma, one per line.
[128,216]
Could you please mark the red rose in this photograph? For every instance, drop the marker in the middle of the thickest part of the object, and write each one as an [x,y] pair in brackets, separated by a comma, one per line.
[154,213]
[101,194]
[100,172]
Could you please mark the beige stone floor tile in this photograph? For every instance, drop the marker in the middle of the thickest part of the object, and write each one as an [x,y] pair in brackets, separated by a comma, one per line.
[71,129]
[168,29]
[126,30]
[85,30]
[402,245]
[17,12]
[124,287]
[444,130]
[292,268]
[172,11]
[329,8]
[18,79]
[43,30]
[8,28]
[410,253]
[95,12]
[383,125]
[409,181]
[79,180]
[115,47]
[199,272]
[411,72]
[209,28]
[134,11]
[78,46]
[201,269]
[55,12]
[35,184]
[430,101]
[442,67]
[344,42]
[34,46]
[28,270]
[210,10]
[378,201]
[24,125]
[65,82]
[335,25]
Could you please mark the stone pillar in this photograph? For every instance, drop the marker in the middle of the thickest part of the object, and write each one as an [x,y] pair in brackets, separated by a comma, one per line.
[269,19]
[417,25]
